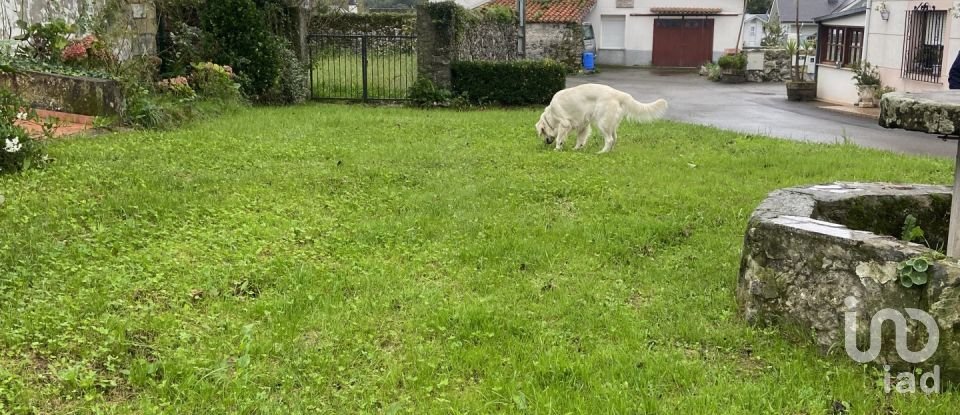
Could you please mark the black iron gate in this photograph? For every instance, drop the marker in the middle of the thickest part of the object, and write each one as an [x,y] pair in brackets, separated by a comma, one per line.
[362,67]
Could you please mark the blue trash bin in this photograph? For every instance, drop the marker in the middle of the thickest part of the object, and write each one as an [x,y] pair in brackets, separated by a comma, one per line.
[588,61]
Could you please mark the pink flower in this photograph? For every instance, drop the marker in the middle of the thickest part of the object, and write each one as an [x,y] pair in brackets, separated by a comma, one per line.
[75,51]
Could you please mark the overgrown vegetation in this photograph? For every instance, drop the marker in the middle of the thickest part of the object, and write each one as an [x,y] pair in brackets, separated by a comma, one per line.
[374,260]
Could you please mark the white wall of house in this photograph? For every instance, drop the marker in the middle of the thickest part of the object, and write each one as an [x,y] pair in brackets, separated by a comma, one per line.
[628,38]
[885,48]
[752,33]
[836,85]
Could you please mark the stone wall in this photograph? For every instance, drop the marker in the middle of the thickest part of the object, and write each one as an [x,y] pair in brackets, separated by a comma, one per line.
[803,271]
[85,96]
[488,40]
[775,66]
[562,42]
[137,26]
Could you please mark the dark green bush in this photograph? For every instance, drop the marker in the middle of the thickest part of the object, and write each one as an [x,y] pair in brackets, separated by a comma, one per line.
[508,83]
[425,93]
[291,86]
[237,35]
[734,62]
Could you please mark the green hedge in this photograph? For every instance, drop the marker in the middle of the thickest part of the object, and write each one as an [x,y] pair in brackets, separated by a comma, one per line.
[507,83]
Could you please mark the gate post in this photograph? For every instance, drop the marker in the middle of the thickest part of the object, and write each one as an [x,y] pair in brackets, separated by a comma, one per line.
[436,44]
[363,64]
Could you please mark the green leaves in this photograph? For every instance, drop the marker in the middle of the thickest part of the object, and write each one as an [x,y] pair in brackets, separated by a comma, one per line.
[910,232]
[913,272]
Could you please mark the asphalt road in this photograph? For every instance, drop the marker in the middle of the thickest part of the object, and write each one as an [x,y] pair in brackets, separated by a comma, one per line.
[756,108]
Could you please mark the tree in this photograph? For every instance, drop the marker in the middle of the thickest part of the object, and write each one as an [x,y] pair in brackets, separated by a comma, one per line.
[758,6]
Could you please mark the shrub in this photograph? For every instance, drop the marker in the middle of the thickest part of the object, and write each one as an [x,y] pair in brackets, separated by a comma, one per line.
[291,86]
[18,151]
[713,71]
[43,41]
[178,87]
[425,93]
[508,83]
[88,52]
[178,45]
[215,81]
[236,34]
[736,62]
[866,74]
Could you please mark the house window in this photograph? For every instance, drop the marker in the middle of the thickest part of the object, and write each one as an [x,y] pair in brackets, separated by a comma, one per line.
[842,46]
[923,44]
[612,30]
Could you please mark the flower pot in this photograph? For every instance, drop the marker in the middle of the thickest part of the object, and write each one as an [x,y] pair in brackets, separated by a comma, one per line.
[868,94]
[801,91]
[733,76]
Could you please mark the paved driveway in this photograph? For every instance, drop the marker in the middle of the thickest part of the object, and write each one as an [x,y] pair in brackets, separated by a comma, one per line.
[760,108]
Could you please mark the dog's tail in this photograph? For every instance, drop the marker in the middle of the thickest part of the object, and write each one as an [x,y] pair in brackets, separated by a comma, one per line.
[640,112]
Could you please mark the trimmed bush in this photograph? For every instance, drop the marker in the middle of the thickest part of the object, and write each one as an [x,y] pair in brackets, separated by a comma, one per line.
[508,83]
[736,62]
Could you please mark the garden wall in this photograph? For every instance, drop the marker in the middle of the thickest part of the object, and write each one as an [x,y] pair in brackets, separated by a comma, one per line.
[768,65]
[138,24]
[488,40]
[85,96]
[543,43]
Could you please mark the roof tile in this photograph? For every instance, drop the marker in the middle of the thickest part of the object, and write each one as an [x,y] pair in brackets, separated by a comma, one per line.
[551,11]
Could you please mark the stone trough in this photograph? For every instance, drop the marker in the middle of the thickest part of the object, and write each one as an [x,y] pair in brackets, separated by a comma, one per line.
[812,255]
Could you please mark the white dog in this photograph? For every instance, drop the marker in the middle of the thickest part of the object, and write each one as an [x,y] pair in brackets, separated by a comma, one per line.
[575,109]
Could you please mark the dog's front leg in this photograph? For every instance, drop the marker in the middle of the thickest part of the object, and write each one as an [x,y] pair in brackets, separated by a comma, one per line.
[561,136]
[582,137]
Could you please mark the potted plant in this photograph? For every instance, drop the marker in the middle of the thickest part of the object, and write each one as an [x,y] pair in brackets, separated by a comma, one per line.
[798,87]
[868,83]
[733,68]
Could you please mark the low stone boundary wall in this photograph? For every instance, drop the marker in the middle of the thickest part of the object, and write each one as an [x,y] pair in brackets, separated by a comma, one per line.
[77,95]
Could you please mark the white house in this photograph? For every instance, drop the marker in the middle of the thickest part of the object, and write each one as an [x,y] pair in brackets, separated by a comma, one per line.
[754,29]
[911,43]
[840,46]
[672,33]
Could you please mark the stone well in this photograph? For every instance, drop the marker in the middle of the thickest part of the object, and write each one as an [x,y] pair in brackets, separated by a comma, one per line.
[812,254]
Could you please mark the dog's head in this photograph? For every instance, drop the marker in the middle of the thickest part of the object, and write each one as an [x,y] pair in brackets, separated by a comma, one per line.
[544,129]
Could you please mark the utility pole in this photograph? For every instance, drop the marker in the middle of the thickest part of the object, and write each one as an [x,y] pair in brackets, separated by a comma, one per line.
[800,75]
[522,11]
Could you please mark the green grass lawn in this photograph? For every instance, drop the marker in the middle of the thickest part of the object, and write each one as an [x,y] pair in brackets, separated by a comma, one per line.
[347,259]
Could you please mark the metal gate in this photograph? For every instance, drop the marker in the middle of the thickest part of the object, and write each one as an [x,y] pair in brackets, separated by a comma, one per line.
[362,67]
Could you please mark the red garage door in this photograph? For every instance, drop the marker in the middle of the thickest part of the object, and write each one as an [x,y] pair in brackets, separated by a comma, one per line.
[682,42]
